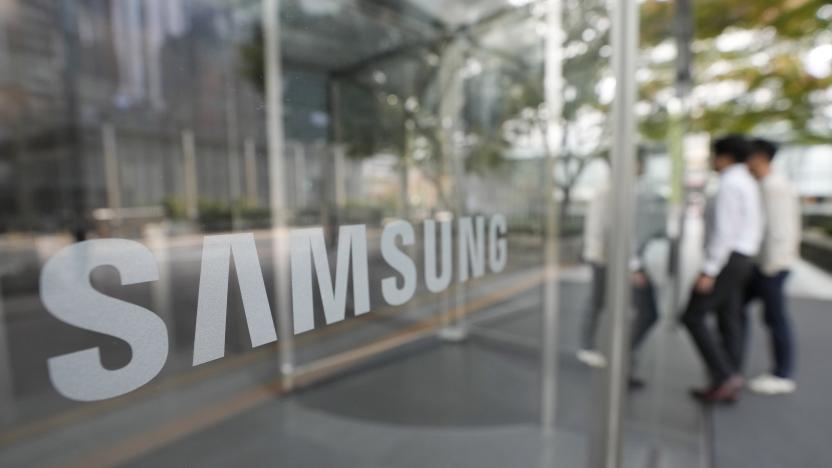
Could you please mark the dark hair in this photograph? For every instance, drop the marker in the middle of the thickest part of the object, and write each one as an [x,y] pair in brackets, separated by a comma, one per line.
[766,147]
[734,146]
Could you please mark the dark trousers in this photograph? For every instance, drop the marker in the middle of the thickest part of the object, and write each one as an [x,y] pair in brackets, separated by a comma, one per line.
[592,317]
[644,300]
[723,354]
[771,290]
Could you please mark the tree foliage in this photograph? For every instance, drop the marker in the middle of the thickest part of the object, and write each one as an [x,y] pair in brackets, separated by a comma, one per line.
[754,55]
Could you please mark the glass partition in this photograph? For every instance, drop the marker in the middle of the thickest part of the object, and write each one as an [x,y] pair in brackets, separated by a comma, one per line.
[318,232]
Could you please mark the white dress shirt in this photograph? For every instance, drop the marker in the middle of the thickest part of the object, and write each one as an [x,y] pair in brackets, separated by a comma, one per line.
[650,223]
[596,227]
[734,219]
[781,241]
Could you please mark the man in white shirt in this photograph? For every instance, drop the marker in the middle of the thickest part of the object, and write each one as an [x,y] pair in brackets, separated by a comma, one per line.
[734,230]
[780,251]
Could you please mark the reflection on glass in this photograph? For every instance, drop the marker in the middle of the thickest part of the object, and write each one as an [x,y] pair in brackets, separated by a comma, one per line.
[372,226]
[151,122]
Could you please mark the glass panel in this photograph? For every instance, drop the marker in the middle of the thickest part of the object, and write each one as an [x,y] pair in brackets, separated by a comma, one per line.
[187,181]
[385,232]
[661,424]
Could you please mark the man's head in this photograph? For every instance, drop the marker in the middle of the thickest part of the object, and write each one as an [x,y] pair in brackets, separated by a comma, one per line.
[729,150]
[761,154]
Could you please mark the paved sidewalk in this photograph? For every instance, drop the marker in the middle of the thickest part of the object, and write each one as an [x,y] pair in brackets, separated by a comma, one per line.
[791,430]
[783,431]
[809,282]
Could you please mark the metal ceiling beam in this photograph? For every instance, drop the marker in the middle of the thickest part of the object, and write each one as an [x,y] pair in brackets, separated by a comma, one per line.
[404,49]
[406,9]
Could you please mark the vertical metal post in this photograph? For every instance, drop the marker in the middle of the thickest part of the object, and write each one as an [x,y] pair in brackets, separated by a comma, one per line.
[339,177]
[683,28]
[459,328]
[624,39]
[11,73]
[404,172]
[300,174]
[191,183]
[250,155]
[71,186]
[332,169]
[453,100]
[553,85]
[154,39]
[232,126]
[6,71]
[112,176]
[277,189]
[6,385]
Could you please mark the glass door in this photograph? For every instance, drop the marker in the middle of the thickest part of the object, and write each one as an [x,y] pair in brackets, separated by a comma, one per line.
[315,233]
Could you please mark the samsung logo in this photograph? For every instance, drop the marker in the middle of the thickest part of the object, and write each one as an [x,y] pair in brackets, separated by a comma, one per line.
[68,294]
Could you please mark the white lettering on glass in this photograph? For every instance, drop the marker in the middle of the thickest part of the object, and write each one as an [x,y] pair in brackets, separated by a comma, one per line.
[212,305]
[399,261]
[437,283]
[68,294]
[497,244]
[352,249]
[471,248]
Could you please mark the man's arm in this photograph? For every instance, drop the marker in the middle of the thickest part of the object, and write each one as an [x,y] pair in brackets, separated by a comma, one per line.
[594,232]
[783,211]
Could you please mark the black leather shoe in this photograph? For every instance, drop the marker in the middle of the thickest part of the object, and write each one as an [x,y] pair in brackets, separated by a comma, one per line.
[727,392]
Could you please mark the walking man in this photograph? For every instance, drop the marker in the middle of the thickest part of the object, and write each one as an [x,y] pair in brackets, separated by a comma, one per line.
[780,250]
[734,228]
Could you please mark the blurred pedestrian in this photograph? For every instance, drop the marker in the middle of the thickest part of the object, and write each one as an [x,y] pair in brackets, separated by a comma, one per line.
[779,252]
[596,229]
[650,222]
[734,228]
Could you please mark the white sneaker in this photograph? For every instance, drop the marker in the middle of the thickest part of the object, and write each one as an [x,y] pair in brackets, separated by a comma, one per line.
[772,385]
[591,358]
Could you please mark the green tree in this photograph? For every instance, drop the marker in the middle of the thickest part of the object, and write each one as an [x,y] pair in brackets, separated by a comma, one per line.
[754,55]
